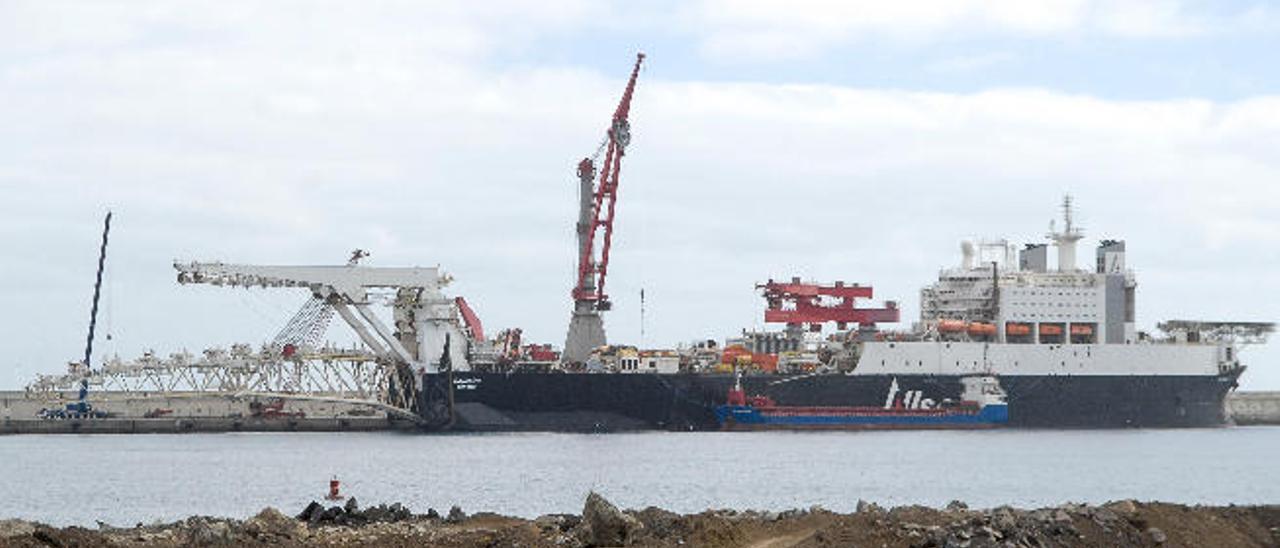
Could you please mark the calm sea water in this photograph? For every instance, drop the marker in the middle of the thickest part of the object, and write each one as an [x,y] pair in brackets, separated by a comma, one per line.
[125,479]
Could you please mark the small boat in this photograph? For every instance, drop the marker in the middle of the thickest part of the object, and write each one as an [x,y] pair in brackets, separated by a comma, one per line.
[984,405]
[1081,329]
[979,329]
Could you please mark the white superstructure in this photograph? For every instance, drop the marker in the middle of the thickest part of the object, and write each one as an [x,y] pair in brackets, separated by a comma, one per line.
[986,358]
[1029,303]
[992,316]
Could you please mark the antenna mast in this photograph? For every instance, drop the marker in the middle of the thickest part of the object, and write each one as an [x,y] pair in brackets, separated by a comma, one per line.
[1067,238]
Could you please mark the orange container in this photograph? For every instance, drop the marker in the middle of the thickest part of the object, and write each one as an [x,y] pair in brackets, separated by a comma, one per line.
[731,354]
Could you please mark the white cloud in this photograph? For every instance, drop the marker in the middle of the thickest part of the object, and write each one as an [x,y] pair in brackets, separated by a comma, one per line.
[1147,18]
[971,63]
[750,29]
[252,144]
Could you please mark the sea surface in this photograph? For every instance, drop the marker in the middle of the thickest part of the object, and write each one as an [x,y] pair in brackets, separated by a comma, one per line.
[126,479]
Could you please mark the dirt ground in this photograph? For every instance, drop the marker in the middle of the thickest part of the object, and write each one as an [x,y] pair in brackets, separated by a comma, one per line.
[1121,523]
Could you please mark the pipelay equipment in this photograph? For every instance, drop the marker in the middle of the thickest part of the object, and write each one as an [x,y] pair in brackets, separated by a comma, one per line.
[802,305]
[426,321]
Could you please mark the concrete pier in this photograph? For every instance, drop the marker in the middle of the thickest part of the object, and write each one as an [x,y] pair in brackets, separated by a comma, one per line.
[130,413]
[1254,407]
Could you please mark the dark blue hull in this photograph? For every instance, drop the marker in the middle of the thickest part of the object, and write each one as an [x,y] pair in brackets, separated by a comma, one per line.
[748,417]
[614,402]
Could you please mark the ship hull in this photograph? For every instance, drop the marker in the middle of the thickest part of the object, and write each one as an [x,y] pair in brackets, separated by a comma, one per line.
[621,402]
[749,417]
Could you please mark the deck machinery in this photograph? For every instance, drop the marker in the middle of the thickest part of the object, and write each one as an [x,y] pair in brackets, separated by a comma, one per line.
[429,335]
[802,305]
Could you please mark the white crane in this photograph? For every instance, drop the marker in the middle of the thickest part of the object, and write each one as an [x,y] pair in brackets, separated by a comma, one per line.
[423,316]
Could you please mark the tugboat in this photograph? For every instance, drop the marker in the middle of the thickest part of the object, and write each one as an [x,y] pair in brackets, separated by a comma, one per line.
[983,405]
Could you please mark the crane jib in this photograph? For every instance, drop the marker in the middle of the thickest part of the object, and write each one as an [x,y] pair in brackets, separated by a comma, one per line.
[97,291]
[590,286]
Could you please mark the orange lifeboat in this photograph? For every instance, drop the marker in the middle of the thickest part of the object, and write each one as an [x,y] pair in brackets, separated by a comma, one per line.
[1017,329]
[1080,329]
[978,329]
[950,326]
[1050,329]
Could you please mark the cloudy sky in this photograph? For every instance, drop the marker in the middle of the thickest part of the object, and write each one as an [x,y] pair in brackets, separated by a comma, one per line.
[847,140]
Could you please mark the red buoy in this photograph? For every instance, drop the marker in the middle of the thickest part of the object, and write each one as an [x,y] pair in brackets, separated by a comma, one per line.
[334,493]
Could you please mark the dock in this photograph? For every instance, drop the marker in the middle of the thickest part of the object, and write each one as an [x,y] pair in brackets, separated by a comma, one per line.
[145,413]
[1250,408]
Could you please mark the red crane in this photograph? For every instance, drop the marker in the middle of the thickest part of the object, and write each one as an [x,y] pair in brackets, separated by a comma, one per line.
[811,305]
[469,317]
[591,273]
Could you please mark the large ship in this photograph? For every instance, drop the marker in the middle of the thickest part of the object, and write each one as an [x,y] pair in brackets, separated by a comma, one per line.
[1061,343]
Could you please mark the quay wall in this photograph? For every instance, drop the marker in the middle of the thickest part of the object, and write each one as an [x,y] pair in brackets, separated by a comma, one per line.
[145,412]
[1254,407]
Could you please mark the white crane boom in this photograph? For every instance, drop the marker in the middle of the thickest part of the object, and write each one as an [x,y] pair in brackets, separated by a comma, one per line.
[351,281]
[423,315]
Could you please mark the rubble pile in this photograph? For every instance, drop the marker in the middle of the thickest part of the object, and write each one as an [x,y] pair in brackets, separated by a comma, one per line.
[1121,523]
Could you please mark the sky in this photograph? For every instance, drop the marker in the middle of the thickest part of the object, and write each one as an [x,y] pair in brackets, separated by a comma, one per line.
[849,140]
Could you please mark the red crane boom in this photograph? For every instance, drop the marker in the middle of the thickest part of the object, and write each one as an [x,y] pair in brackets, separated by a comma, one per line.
[591,273]
[811,305]
[471,319]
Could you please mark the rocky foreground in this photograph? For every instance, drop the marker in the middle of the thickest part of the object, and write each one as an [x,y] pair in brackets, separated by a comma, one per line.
[1123,523]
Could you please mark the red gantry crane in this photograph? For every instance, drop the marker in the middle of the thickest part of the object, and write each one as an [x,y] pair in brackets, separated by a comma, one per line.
[811,305]
[595,215]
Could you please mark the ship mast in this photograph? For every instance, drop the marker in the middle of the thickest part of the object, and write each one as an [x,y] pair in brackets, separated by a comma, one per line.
[1067,238]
